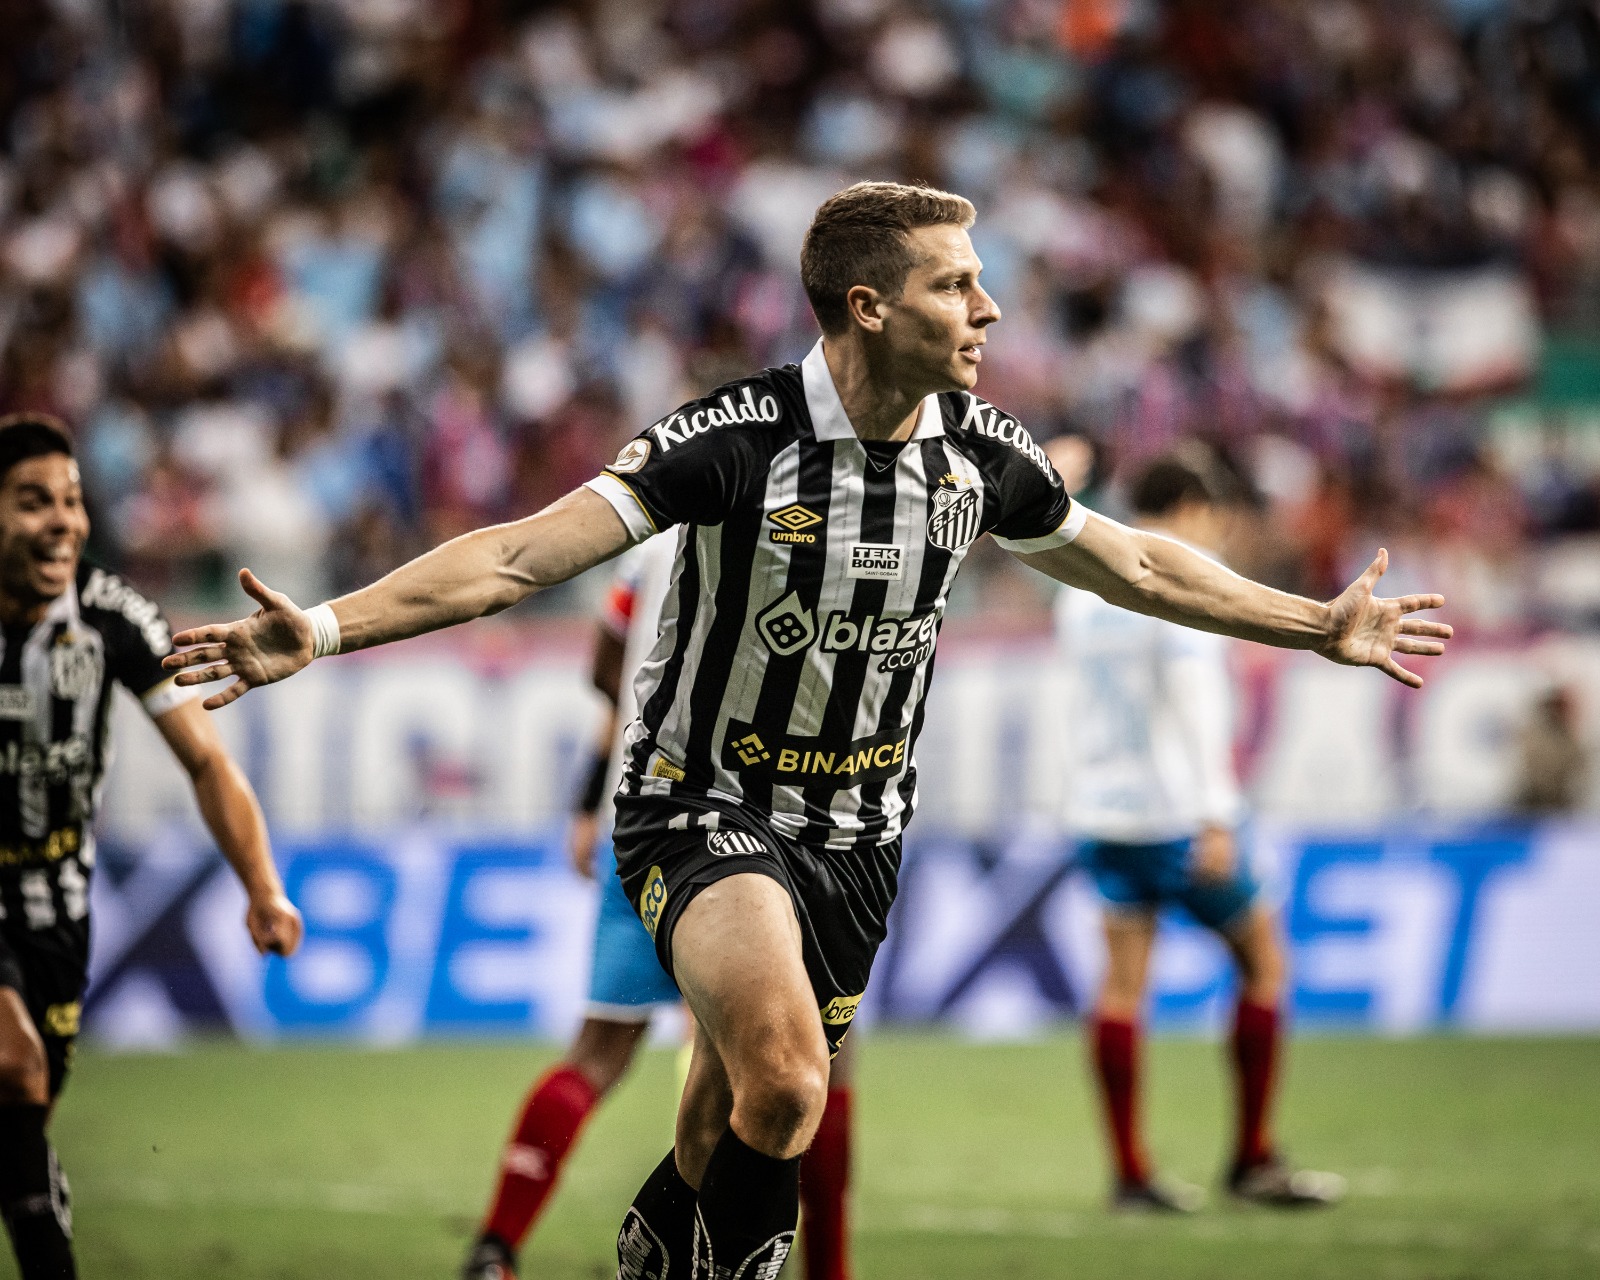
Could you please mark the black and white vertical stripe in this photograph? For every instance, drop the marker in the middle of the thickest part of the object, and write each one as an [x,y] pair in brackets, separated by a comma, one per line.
[728,575]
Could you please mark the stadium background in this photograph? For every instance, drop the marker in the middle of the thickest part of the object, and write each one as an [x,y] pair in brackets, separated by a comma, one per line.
[319,284]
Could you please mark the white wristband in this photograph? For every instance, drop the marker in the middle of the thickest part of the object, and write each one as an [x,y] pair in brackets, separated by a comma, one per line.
[324,631]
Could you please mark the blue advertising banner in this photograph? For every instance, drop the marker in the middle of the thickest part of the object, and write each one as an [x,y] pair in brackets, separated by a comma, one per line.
[426,933]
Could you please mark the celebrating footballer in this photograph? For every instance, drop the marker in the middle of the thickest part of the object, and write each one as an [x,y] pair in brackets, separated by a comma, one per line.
[824,510]
[69,632]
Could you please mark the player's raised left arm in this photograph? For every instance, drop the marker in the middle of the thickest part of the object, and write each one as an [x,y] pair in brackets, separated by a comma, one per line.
[229,808]
[1156,575]
[479,573]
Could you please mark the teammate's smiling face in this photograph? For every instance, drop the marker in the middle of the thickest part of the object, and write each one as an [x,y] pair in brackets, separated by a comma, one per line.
[43,527]
[934,331]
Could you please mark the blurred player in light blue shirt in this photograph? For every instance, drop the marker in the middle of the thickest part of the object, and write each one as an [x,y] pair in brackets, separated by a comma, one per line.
[1156,802]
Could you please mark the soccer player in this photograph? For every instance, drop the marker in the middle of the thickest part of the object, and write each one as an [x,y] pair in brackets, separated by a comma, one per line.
[67,632]
[769,773]
[1154,796]
[627,984]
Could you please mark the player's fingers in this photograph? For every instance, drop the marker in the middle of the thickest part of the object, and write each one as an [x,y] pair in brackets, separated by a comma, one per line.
[1423,648]
[1421,627]
[203,675]
[194,657]
[1395,671]
[1375,570]
[198,635]
[232,693]
[1410,604]
[261,593]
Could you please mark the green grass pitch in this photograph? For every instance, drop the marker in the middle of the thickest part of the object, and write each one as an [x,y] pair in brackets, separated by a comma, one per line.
[1467,1159]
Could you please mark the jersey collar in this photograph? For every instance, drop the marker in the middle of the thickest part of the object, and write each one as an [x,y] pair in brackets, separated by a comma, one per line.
[828,418]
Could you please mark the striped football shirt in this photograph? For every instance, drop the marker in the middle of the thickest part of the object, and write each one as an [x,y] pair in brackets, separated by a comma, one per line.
[56,681]
[797,637]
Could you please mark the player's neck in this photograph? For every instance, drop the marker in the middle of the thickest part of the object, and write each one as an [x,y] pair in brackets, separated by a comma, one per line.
[17,611]
[877,407]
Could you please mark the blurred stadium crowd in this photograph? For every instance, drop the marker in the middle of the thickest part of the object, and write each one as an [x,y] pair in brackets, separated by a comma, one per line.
[322,282]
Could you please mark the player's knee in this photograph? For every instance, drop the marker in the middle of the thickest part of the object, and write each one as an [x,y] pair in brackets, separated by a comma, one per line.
[780,1105]
[24,1072]
[1262,965]
[604,1052]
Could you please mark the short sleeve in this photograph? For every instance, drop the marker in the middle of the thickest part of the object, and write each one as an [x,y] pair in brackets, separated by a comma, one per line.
[687,468]
[1036,512]
[137,637]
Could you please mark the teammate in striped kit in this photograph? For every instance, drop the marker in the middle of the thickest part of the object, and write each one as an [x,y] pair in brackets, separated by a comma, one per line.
[825,509]
[70,632]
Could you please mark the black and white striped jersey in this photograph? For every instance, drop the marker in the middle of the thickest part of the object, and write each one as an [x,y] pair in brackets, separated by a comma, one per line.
[56,681]
[797,637]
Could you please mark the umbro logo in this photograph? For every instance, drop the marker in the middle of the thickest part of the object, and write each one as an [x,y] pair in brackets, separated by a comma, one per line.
[792,521]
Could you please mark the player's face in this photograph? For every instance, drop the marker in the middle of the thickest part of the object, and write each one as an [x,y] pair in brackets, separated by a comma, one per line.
[935,328]
[43,527]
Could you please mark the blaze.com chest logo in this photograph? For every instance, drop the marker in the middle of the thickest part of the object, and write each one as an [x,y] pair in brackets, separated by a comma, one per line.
[900,642]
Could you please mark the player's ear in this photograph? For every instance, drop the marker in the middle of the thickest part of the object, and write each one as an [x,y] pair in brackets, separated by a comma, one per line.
[866,307]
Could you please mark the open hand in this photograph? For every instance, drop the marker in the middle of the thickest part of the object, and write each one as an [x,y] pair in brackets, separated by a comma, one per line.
[274,924]
[271,644]
[1365,630]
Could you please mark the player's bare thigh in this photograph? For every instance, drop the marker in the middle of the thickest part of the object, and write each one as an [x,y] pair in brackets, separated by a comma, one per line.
[24,1071]
[604,1048]
[1130,937]
[1259,954]
[736,955]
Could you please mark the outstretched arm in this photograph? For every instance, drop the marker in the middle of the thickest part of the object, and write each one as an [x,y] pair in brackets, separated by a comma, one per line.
[1159,576]
[468,577]
[229,808]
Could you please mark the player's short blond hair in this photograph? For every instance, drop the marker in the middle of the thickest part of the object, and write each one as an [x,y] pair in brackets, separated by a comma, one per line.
[859,237]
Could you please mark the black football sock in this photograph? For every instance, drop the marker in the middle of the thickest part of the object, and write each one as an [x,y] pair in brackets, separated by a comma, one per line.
[749,1204]
[33,1196]
[657,1237]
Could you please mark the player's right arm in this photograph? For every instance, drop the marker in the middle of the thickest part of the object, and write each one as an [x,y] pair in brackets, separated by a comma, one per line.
[469,577]
[682,470]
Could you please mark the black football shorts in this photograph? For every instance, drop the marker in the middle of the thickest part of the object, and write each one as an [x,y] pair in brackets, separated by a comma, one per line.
[49,969]
[667,853]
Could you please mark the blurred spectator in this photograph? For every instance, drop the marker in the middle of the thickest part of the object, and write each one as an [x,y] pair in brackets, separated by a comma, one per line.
[1554,764]
[320,282]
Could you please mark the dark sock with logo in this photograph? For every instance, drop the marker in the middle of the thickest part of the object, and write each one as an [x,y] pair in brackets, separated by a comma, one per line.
[657,1237]
[749,1204]
[33,1196]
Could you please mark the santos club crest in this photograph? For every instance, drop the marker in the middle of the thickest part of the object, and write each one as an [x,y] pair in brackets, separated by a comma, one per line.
[954,520]
[75,667]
